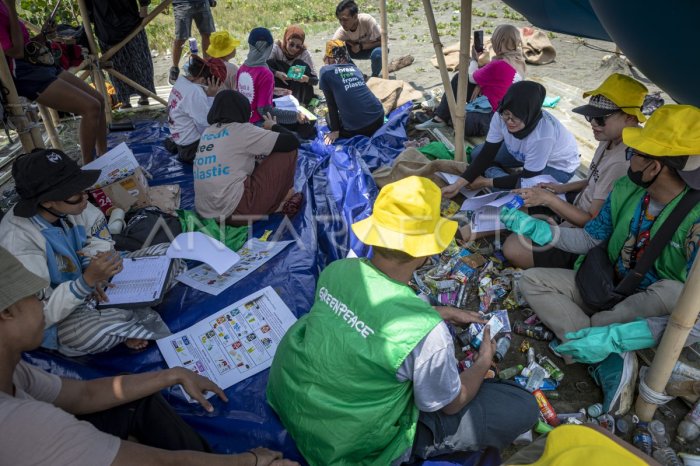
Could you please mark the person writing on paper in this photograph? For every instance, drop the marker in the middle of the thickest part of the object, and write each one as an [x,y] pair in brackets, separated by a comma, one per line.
[521,135]
[615,105]
[257,83]
[381,360]
[242,171]
[189,103]
[491,81]
[60,236]
[291,52]
[64,422]
[352,108]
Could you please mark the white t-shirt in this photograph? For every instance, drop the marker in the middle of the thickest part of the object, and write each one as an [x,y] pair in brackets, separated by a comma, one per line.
[188,105]
[36,432]
[368,30]
[433,369]
[550,144]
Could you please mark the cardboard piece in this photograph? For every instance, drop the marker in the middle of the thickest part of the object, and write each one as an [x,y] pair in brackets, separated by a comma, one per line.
[127,193]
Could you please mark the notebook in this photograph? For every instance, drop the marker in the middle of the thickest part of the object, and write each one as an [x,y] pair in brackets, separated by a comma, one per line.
[141,283]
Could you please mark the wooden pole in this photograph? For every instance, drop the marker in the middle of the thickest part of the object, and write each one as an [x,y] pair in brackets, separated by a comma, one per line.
[50,128]
[460,116]
[114,49]
[679,326]
[136,85]
[385,39]
[35,128]
[97,76]
[437,45]
[18,116]
[55,117]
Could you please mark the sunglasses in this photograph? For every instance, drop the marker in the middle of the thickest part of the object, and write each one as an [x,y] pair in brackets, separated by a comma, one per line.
[510,117]
[599,121]
[630,152]
[73,201]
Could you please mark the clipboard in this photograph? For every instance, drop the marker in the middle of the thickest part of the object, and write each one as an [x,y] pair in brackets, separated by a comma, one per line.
[142,283]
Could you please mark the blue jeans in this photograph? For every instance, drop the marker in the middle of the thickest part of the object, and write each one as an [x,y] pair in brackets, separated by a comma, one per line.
[375,57]
[504,159]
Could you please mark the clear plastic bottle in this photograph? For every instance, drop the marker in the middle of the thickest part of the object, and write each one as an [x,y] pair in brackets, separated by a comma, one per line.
[658,433]
[667,456]
[689,428]
[534,381]
[554,371]
[502,346]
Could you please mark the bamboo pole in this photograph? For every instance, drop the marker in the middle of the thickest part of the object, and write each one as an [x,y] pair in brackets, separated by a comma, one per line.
[35,128]
[114,49]
[55,117]
[136,85]
[19,118]
[385,39]
[50,127]
[681,322]
[437,45]
[97,76]
[460,116]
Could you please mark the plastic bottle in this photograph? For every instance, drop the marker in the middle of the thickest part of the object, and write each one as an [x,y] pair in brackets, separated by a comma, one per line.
[641,438]
[595,410]
[683,388]
[658,433]
[530,355]
[689,428]
[535,380]
[502,346]
[554,371]
[623,426]
[667,456]
[194,49]
[510,372]
[538,332]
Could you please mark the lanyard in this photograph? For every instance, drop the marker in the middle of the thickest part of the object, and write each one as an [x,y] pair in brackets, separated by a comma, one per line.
[642,237]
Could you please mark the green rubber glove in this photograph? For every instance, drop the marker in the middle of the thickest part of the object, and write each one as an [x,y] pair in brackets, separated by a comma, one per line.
[519,222]
[594,344]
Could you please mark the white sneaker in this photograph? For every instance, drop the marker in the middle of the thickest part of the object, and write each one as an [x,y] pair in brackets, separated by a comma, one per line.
[430,124]
[429,104]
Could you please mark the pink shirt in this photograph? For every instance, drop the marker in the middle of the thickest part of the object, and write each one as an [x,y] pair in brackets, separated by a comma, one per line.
[256,83]
[494,79]
[5,39]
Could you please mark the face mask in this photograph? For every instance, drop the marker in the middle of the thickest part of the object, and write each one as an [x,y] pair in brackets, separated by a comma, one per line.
[636,177]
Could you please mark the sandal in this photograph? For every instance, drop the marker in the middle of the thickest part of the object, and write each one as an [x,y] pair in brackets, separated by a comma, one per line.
[293,205]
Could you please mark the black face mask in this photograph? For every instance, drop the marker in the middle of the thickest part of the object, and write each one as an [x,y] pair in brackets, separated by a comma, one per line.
[636,177]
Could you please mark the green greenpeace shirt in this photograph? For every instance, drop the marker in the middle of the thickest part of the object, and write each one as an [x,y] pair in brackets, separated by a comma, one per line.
[333,380]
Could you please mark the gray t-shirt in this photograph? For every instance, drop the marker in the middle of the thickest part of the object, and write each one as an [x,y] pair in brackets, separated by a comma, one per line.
[36,432]
[433,369]
[607,166]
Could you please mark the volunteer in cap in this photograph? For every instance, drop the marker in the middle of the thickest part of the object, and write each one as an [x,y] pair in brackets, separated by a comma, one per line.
[613,106]
[223,46]
[40,407]
[353,110]
[61,237]
[664,168]
[380,361]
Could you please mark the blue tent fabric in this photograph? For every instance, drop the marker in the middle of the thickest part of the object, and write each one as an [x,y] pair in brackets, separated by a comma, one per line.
[339,190]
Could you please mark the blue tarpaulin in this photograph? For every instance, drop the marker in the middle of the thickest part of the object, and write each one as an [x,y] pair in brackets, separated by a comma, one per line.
[338,190]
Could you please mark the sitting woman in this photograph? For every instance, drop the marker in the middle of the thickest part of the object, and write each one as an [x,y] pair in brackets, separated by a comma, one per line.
[242,171]
[223,47]
[352,108]
[190,101]
[62,238]
[491,81]
[521,135]
[49,85]
[257,83]
[288,52]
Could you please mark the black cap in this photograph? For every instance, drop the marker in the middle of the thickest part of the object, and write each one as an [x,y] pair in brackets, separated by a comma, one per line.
[48,175]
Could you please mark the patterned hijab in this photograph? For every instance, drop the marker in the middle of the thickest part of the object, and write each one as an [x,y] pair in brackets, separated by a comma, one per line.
[295,32]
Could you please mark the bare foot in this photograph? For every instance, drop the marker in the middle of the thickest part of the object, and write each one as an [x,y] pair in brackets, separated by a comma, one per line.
[286,198]
[137,344]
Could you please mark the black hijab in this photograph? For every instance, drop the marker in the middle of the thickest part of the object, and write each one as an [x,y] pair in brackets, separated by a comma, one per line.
[524,99]
[229,107]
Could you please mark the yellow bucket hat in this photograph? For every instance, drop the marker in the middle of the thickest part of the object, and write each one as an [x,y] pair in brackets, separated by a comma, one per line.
[618,92]
[221,44]
[672,131]
[572,445]
[406,218]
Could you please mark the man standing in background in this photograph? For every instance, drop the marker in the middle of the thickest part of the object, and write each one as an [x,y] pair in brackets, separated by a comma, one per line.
[184,11]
